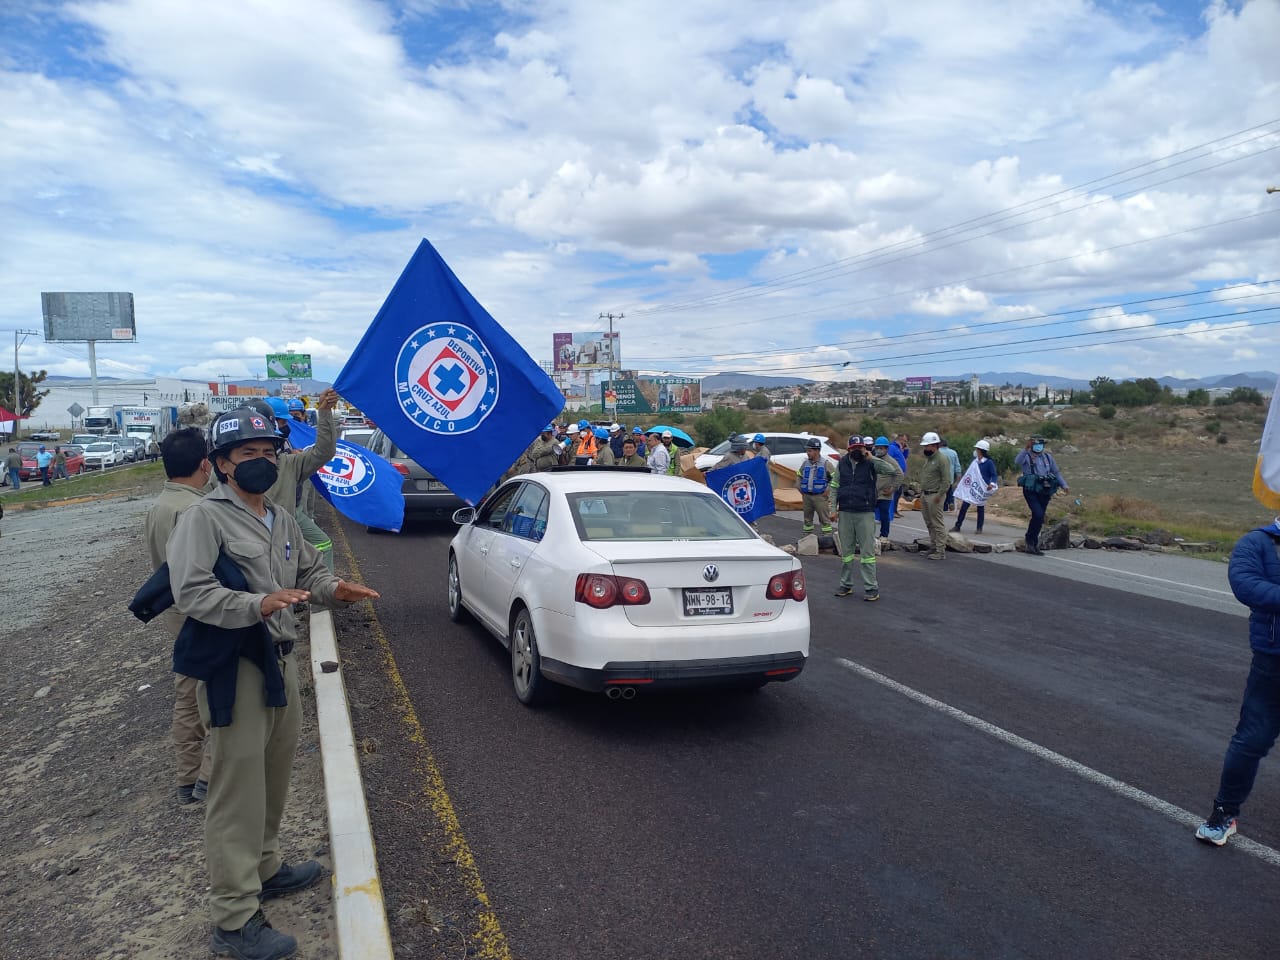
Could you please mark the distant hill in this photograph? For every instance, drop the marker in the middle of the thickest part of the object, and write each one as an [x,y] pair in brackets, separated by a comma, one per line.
[724,382]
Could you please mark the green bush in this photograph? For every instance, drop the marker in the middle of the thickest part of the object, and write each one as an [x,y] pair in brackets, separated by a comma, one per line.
[718,424]
[1107,412]
[1052,430]
[1212,426]
[803,412]
[759,401]
[873,427]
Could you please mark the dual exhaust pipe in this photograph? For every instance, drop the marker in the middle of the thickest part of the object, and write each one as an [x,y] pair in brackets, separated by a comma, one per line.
[621,693]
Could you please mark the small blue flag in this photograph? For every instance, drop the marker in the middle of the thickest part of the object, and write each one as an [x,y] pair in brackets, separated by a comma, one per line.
[746,487]
[446,382]
[357,482]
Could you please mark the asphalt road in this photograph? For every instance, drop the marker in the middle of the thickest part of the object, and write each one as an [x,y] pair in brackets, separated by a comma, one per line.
[837,816]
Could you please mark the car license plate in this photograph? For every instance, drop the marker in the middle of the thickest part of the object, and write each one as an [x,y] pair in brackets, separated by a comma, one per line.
[707,603]
[432,485]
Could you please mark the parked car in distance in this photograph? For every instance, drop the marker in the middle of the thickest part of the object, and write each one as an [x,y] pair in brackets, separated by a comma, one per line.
[28,449]
[53,435]
[786,449]
[353,420]
[423,493]
[75,458]
[102,454]
[608,580]
[135,448]
[359,435]
[84,439]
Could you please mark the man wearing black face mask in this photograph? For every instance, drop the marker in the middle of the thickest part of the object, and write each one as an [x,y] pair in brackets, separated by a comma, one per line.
[253,722]
[854,490]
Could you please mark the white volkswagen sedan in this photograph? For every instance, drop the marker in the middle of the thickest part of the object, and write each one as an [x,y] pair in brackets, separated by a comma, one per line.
[617,580]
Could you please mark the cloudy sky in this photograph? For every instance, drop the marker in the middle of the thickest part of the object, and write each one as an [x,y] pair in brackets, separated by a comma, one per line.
[833,189]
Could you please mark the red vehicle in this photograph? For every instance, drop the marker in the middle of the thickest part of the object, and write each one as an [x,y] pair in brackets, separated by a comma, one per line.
[28,450]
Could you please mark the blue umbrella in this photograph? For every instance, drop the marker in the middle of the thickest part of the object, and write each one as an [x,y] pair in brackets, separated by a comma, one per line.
[678,436]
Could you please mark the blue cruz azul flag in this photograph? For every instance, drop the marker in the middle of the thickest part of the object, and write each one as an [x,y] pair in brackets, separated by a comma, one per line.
[746,487]
[446,382]
[357,482]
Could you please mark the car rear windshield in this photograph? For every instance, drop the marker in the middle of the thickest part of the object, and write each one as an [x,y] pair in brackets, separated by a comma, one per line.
[654,515]
[99,447]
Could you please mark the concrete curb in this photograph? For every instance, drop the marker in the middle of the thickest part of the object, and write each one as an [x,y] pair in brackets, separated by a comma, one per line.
[359,909]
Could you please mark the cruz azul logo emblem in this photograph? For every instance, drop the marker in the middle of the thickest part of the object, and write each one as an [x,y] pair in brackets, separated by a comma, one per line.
[349,472]
[740,492]
[446,378]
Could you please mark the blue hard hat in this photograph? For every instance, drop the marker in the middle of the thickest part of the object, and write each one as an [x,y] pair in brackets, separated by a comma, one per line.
[278,407]
[549,428]
[758,438]
[601,433]
[637,431]
[583,424]
[882,441]
[295,404]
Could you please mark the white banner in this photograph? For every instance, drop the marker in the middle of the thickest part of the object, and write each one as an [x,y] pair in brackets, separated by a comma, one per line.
[972,488]
[1266,473]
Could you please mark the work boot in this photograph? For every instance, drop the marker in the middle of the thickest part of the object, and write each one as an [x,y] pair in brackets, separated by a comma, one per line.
[185,794]
[291,879]
[254,941]
[199,790]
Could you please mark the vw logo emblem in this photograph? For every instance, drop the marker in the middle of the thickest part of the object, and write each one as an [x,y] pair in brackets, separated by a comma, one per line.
[711,573]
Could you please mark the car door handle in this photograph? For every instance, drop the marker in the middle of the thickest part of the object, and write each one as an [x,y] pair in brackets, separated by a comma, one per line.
[484,551]
[515,563]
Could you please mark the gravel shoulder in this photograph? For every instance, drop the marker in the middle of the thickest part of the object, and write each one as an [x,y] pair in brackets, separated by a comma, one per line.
[96,860]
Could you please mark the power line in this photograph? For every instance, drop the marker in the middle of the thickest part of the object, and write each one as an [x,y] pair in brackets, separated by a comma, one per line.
[803,277]
[974,330]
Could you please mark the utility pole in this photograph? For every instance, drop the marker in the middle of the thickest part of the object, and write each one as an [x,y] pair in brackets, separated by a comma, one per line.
[614,359]
[223,377]
[17,380]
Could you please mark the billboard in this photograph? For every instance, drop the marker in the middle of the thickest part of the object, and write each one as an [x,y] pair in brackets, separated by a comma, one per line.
[918,384]
[596,350]
[88,316]
[655,394]
[288,366]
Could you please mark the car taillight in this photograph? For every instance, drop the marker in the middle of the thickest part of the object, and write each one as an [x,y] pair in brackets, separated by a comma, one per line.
[401,469]
[786,586]
[601,590]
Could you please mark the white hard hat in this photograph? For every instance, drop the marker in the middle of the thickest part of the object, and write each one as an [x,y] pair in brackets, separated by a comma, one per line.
[869,441]
[929,438]
[573,428]
[615,427]
[666,435]
[982,445]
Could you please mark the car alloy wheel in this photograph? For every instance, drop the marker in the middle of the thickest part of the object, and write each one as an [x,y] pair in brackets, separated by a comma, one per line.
[526,672]
[457,612]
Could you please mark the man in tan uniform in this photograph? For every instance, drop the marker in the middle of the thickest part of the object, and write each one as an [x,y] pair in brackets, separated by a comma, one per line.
[188,470]
[935,478]
[250,698]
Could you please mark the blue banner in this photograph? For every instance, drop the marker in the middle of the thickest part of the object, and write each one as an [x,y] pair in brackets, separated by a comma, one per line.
[746,487]
[357,482]
[446,382]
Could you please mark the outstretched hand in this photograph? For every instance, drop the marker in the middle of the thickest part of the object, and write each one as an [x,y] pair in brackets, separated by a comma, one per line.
[281,599]
[328,399]
[350,592]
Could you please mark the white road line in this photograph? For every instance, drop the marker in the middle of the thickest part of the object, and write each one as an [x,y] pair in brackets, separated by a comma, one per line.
[1174,813]
[1144,576]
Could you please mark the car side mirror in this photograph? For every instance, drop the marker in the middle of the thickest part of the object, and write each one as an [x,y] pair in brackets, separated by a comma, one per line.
[464,516]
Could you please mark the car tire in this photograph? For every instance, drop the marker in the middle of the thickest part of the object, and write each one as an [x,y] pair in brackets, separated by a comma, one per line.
[531,687]
[457,612]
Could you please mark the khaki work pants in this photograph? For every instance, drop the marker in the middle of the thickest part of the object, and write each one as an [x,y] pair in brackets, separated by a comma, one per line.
[248,784]
[189,733]
[858,535]
[816,503]
[934,521]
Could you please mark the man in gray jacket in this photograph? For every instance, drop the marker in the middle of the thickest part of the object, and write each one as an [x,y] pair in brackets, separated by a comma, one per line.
[252,754]
[188,470]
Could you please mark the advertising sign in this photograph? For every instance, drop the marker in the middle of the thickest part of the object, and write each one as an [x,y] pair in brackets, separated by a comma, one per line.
[88,316]
[290,391]
[918,384]
[656,394]
[288,366]
[597,350]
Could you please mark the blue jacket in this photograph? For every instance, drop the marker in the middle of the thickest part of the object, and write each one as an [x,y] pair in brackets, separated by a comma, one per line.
[1254,574]
[895,451]
[987,467]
